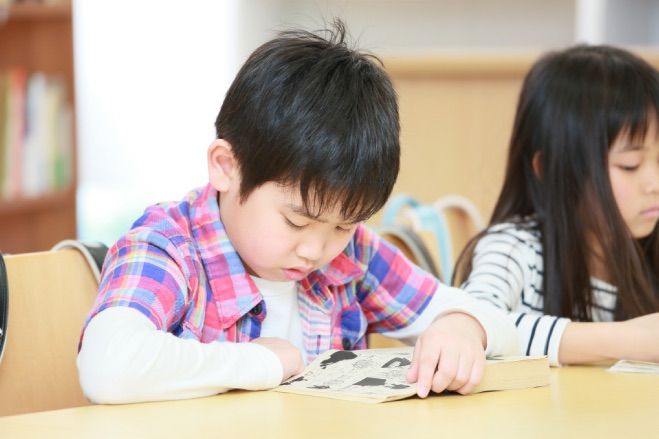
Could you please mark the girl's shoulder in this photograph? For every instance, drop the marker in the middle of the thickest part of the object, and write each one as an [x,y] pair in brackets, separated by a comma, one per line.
[517,224]
[516,230]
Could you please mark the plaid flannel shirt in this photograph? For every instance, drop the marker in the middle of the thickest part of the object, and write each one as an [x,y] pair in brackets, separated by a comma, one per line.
[178,267]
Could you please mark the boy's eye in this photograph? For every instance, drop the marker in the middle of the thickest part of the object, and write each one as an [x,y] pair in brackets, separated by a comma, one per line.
[293,225]
[343,229]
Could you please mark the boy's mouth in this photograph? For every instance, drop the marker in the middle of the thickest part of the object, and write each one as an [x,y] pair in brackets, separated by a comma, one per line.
[296,273]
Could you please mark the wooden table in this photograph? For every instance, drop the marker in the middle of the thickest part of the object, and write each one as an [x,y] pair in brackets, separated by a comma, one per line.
[579,402]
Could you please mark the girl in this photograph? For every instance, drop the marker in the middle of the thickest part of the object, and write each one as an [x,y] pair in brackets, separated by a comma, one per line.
[572,250]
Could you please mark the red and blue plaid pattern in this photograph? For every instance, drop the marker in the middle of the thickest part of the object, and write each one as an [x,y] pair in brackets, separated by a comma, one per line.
[178,267]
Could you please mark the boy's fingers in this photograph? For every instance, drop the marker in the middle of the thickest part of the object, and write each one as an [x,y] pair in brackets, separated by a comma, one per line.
[412,373]
[477,371]
[462,374]
[446,371]
[427,368]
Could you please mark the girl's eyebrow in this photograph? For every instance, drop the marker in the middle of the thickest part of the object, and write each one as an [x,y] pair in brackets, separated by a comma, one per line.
[630,147]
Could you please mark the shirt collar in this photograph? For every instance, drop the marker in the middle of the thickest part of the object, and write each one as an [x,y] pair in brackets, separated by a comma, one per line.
[339,271]
[232,288]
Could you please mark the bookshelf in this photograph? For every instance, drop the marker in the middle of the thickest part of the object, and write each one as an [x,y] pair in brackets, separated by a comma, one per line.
[38,37]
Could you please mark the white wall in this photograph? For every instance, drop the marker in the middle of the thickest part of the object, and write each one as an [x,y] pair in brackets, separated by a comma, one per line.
[151,75]
[653,17]
[150,78]
[387,26]
[618,22]
[631,23]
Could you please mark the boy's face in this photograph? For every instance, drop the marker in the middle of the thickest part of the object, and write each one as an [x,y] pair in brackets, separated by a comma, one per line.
[275,236]
[634,174]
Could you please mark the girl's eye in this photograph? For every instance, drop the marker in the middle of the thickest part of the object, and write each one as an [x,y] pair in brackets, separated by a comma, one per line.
[293,225]
[628,168]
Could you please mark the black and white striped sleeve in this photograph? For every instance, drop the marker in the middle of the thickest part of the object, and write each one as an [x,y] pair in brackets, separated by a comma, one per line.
[506,267]
[539,334]
[498,270]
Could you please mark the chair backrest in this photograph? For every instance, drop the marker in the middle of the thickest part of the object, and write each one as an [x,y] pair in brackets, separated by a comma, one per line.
[408,241]
[49,294]
[444,226]
[463,218]
[428,224]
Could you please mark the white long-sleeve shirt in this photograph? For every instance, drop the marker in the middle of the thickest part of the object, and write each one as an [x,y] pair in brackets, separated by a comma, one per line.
[507,271]
[124,358]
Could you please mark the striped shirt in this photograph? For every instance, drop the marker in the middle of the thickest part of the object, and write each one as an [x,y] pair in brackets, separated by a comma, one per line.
[507,271]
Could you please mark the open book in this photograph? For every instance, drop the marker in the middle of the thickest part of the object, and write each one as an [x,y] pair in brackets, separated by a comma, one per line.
[635,367]
[378,375]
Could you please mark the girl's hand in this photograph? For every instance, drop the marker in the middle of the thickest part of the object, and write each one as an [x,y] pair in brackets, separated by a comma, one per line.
[449,355]
[643,342]
[592,342]
[289,356]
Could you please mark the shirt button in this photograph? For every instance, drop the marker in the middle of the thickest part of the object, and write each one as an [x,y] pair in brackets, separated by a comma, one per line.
[346,343]
[257,309]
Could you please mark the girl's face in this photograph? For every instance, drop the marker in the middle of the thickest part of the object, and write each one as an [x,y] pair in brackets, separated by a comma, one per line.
[634,175]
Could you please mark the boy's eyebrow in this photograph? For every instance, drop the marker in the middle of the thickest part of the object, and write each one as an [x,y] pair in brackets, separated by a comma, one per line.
[300,210]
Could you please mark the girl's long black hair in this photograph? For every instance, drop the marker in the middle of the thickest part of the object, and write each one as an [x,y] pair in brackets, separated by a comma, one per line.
[573,105]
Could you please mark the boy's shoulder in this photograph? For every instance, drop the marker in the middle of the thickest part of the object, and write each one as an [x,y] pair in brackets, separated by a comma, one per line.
[363,243]
[353,262]
[180,221]
[373,253]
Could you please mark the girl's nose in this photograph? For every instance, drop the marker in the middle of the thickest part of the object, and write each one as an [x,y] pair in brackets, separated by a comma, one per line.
[652,181]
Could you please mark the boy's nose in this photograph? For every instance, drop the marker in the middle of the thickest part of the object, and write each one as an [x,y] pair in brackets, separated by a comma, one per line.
[310,250]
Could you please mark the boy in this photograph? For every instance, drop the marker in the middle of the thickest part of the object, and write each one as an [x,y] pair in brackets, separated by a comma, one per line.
[245,280]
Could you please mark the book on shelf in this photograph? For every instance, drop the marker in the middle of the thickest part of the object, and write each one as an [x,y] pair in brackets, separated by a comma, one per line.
[14,120]
[36,138]
[379,375]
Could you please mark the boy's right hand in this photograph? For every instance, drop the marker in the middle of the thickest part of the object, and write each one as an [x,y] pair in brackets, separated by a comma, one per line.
[289,356]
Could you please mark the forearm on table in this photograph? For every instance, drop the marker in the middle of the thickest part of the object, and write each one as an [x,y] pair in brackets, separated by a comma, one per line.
[124,358]
[591,342]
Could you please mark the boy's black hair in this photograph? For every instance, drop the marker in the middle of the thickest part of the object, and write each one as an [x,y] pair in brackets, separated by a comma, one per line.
[310,111]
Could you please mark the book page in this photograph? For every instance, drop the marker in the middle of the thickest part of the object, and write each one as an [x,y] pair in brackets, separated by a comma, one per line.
[379,375]
[635,367]
[368,375]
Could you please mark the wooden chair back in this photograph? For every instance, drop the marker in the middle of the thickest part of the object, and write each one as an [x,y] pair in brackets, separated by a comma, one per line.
[49,295]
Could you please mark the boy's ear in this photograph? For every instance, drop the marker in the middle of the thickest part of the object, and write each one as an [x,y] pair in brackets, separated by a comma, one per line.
[536,163]
[222,165]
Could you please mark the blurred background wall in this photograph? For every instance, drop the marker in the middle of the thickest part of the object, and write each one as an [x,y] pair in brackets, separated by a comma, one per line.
[150,77]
